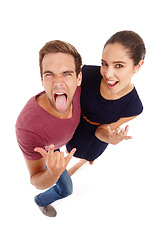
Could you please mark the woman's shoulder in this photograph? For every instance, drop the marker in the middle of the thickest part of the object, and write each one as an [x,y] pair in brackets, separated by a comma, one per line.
[133,102]
[90,69]
[90,73]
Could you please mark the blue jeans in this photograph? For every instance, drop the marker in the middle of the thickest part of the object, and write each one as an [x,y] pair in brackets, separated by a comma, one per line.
[61,189]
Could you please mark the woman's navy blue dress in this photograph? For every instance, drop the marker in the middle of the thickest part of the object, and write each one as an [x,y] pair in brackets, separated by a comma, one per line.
[99,110]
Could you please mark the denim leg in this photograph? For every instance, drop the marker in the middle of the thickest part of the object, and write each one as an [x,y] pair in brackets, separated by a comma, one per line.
[62,189]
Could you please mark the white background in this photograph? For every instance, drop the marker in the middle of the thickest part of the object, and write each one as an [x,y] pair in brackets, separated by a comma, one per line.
[119,196]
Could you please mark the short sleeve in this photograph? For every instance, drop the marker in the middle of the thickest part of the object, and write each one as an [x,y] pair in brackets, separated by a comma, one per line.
[134,106]
[27,141]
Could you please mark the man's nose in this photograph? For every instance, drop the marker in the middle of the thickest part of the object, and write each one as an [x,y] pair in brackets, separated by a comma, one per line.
[58,80]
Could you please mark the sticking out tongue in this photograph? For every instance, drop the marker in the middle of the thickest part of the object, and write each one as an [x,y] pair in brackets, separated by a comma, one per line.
[61,102]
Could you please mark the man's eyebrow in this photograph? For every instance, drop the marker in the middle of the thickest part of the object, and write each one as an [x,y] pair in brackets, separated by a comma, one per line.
[67,71]
[47,72]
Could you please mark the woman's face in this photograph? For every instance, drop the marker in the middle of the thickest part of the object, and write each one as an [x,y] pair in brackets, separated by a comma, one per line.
[117,69]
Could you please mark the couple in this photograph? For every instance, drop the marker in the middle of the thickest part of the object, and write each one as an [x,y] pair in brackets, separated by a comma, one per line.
[80,108]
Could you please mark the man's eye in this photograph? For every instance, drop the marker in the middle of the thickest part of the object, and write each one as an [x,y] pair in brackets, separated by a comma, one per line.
[49,74]
[67,74]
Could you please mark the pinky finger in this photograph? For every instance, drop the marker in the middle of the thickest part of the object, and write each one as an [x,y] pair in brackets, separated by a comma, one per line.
[70,155]
[128,137]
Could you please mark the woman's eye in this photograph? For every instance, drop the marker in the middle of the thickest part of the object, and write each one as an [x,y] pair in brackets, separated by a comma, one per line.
[104,64]
[119,66]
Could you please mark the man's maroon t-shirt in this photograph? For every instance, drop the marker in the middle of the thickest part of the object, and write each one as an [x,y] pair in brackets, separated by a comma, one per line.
[35,127]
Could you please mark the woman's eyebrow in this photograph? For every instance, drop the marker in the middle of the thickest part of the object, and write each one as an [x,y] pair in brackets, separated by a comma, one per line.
[120,62]
[103,60]
[115,62]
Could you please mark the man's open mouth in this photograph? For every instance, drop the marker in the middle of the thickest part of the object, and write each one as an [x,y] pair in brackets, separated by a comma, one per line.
[60,101]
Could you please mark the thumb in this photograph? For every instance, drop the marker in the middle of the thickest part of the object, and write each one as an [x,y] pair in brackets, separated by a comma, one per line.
[109,129]
[41,151]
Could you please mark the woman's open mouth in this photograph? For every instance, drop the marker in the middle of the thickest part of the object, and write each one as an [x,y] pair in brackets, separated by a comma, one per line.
[111,83]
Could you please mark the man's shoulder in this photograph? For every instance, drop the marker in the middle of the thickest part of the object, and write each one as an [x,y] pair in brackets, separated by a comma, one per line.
[29,114]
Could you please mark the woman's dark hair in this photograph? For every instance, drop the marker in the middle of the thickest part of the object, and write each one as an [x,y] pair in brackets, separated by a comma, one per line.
[132,42]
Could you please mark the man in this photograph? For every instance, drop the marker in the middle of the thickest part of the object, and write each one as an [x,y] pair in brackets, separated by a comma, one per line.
[48,121]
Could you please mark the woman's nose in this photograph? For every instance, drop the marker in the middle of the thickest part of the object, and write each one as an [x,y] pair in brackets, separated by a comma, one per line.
[109,73]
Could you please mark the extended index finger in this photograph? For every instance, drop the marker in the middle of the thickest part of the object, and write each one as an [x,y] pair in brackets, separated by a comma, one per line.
[126,129]
[50,151]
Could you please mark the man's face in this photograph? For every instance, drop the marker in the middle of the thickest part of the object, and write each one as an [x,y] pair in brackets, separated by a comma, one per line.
[60,80]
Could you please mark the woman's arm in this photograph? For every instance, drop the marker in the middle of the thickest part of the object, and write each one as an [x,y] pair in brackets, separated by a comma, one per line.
[112,133]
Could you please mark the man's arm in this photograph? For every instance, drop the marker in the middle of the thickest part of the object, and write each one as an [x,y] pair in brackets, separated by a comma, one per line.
[56,163]
[111,133]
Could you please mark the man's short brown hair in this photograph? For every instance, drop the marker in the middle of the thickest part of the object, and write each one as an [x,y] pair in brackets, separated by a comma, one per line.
[58,46]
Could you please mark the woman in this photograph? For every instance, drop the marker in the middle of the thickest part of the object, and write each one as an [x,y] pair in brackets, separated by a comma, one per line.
[108,97]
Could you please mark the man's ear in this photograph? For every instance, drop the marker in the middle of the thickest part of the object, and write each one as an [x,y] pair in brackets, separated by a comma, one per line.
[79,79]
[137,68]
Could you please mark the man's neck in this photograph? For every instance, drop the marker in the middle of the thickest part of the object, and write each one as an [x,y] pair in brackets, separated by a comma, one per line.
[43,101]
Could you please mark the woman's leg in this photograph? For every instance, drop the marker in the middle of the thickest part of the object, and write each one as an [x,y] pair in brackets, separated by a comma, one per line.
[73,169]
